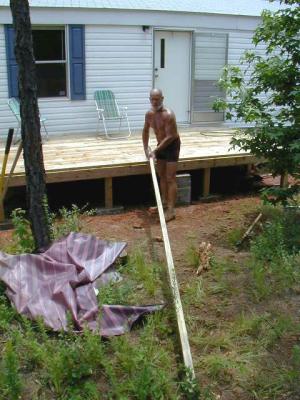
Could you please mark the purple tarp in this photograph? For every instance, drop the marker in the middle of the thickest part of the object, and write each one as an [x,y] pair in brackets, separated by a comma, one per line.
[61,280]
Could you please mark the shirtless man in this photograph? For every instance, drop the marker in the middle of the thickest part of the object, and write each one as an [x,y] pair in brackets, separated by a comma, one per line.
[163,122]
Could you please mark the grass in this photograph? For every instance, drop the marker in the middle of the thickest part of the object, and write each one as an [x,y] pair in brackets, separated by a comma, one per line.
[192,252]
[10,380]
[243,342]
[275,266]
[140,282]
[69,366]
[234,236]
[235,350]
[242,319]
[39,364]
[194,293]
[148,365]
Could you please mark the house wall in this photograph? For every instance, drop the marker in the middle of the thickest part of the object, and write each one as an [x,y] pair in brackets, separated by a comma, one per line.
[120,58]
[117,57]
[6,118]
[238,42]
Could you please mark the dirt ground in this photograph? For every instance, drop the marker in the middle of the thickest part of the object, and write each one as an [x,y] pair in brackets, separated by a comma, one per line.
[215,222]
[201,221]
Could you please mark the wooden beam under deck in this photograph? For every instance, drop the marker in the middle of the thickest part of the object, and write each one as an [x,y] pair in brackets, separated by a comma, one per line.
[108,193]
[74,158]
[206,182]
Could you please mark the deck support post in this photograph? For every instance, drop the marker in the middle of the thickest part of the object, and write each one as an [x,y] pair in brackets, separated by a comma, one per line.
[249,168]
[2,214]
[108,192]
[206,182]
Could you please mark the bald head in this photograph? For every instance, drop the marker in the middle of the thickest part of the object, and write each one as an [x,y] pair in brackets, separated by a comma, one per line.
[156,92]
[156,99]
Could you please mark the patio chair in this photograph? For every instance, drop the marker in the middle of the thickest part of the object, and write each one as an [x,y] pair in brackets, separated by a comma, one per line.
[109,110]
[14,105]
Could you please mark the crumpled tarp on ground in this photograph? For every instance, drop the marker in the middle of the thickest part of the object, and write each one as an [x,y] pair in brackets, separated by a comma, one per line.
[61,280]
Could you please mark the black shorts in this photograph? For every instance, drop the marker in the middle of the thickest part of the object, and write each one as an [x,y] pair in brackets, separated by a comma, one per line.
[171,152]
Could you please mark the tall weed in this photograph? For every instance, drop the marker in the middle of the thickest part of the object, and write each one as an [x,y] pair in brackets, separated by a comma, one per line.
[60,225]
[144,369]
[66,221]
[7,314]
[10,380]
[275,267]
[146,273]
[71,362]
[22,235]
[192,253]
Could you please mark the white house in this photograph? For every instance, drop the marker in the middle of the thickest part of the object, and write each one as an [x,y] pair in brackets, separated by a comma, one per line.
[128,46]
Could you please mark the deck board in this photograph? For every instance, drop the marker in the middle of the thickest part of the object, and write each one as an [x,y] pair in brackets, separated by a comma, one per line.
[71,158]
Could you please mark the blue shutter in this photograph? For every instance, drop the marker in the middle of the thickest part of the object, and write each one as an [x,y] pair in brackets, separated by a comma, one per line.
[12,66]
[77,61]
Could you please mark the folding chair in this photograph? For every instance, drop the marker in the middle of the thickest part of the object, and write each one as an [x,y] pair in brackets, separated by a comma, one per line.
[14,105]
[109,110]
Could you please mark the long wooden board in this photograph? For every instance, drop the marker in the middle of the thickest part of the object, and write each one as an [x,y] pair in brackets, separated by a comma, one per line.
[183,335]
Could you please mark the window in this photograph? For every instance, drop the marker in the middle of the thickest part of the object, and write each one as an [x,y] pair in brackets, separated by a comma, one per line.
[162,53]
[56,73]
[49,46]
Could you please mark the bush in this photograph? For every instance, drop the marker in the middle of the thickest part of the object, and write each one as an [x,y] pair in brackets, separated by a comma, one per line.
[275,256]
[60,225]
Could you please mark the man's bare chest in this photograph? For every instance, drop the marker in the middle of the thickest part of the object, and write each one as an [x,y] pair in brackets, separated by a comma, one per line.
[157,122]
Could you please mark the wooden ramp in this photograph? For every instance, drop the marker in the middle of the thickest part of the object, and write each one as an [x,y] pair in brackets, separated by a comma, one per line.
[73,158]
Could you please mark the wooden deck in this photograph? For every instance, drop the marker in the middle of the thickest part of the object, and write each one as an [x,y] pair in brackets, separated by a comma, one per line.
[72,158]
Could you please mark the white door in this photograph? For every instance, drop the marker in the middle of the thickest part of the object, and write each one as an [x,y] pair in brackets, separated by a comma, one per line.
[172,60]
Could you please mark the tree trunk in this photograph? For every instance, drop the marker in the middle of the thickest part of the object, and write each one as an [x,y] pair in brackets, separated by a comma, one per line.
[284,180]
[30,127]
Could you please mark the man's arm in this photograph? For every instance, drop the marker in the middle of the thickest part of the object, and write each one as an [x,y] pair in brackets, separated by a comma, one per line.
[146,135]
[170,130]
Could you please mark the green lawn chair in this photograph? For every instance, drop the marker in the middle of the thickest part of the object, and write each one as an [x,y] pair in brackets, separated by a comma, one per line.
[109,110]
[14,105]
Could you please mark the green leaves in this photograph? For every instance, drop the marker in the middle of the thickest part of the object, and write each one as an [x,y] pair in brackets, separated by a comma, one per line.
[268,96]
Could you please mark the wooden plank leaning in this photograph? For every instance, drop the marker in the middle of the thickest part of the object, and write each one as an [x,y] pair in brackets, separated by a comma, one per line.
[5,181]
[3,169]
[6,153]
[13,166]
[185,346]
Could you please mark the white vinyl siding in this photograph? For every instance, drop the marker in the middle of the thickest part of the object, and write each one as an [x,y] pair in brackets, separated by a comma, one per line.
[238,43]
[210,52]
[7,119]
[118,58]
[210,55]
